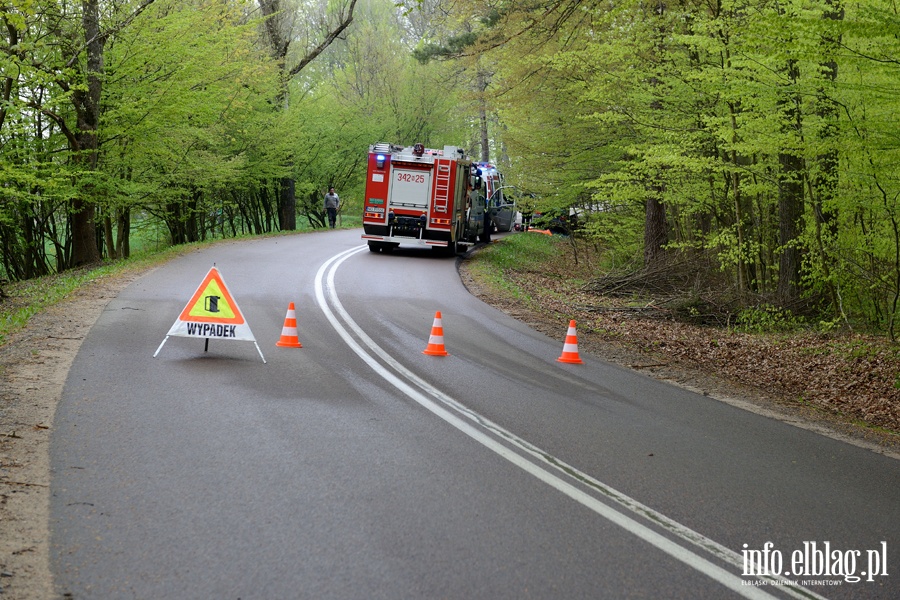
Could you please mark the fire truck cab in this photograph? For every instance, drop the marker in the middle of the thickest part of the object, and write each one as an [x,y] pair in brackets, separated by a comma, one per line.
[422,197]
[501,209]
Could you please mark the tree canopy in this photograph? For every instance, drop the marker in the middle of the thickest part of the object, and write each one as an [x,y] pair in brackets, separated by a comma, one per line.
[756,140]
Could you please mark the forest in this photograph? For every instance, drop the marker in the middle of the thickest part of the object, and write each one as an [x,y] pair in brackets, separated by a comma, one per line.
[742,146]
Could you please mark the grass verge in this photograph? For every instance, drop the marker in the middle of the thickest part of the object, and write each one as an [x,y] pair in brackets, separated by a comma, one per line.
[24,299]
[497,265]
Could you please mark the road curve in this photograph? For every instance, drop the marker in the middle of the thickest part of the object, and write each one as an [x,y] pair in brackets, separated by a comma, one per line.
[359,467]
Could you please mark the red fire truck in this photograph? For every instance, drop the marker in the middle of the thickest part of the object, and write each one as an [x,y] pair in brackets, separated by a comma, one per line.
[423,197]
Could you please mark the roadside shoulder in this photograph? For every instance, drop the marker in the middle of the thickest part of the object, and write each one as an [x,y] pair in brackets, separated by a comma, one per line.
[546,317]
[34,365]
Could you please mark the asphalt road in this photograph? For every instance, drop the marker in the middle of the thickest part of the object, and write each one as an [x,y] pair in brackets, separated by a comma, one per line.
[359,467]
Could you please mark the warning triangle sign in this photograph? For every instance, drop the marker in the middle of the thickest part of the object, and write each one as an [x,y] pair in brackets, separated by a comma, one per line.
[212,312]
[212,303]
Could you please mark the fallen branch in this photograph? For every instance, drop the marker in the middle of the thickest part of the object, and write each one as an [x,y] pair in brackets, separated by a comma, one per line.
[8,482]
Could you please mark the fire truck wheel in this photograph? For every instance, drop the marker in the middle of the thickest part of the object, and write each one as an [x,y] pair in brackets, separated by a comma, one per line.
[373,247]
[451,249]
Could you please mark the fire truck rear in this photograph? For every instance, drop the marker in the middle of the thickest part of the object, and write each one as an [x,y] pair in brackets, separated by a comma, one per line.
[422,197]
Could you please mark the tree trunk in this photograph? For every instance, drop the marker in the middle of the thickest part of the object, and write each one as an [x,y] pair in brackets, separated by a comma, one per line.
[87,109]
[790,211]
[108,236]
[287,205]
[279,44]
[655,231]
[482,117]
[175,223]
[8,82]
[123,228]
[823,186]
[826,179]
[790,199]
[34,264]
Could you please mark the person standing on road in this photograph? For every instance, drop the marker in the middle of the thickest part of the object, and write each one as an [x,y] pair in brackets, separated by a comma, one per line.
[332,203]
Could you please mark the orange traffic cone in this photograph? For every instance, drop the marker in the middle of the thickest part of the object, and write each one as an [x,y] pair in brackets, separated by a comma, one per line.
[436,341]
[289,337]
[570,348]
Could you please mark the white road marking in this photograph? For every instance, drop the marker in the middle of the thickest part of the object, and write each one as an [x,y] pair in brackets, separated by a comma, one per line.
[326,296]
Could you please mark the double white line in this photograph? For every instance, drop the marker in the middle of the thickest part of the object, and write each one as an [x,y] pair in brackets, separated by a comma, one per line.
[535,461]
